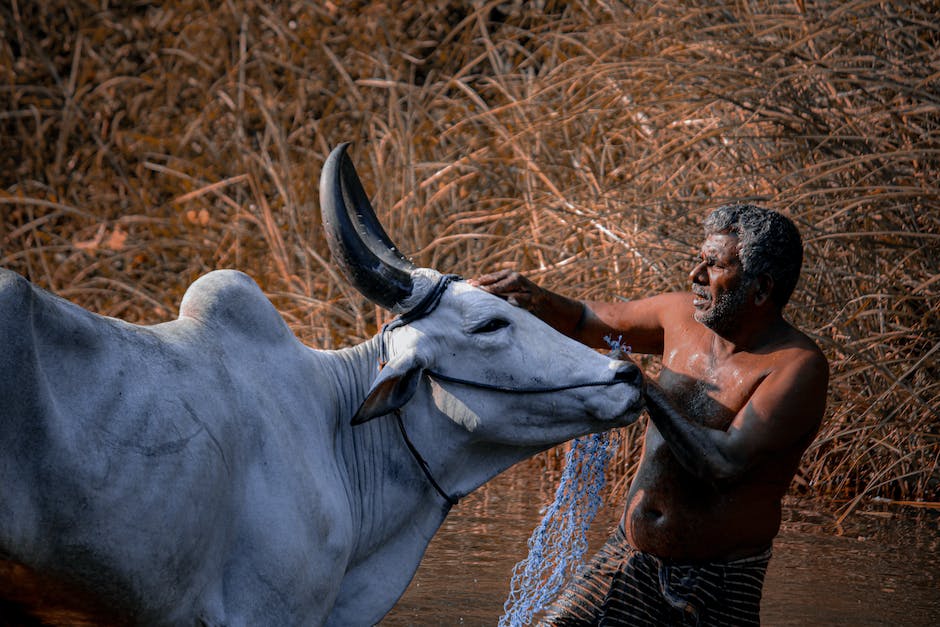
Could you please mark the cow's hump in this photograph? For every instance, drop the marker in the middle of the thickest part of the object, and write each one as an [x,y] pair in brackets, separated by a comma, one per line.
[231,300]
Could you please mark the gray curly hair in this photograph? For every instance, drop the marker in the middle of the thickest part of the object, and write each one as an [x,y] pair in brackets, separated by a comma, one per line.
[768,243]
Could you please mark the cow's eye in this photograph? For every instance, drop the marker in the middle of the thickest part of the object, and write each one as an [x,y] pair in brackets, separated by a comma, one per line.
[494,324]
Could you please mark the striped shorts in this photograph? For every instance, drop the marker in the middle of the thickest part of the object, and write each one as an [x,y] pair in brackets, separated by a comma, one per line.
[624,586]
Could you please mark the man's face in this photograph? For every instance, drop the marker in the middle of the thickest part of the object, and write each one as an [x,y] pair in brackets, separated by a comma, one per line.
[719,286]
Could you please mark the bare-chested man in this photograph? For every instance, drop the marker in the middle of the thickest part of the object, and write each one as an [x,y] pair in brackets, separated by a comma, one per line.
[740,397]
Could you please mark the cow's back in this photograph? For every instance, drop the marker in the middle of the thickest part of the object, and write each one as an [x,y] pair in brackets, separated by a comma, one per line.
[138,458]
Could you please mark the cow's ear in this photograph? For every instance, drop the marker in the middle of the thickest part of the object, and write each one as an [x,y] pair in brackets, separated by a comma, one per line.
[394,387]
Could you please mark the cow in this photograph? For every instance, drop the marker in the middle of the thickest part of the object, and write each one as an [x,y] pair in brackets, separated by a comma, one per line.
[214,470]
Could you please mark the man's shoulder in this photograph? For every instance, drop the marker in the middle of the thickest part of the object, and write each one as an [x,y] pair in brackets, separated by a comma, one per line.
[800,342]
[798,350]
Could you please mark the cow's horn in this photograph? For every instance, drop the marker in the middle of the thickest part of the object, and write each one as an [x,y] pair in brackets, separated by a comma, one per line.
[359,244]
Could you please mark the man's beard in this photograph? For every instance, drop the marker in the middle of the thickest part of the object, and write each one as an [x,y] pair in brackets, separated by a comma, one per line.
[725,311]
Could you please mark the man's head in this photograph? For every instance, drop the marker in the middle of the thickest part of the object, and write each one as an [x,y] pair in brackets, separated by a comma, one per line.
[768,244]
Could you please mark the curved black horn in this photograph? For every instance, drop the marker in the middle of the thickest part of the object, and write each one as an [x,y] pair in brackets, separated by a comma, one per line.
[360,246]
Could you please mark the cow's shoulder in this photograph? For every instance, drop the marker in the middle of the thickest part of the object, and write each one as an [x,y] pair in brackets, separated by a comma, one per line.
[231,300]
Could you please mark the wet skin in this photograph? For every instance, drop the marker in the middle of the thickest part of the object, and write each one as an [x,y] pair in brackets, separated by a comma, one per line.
[740,397]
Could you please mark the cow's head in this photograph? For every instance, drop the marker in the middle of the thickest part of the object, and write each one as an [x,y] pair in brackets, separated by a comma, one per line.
[492,368]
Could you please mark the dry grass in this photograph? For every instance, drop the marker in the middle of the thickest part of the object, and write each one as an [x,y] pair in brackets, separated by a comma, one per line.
[145,144]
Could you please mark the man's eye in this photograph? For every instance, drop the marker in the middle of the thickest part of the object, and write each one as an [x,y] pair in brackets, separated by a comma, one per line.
[491,325]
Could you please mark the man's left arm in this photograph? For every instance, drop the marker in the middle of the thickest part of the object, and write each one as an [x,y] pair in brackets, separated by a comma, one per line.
[786,407]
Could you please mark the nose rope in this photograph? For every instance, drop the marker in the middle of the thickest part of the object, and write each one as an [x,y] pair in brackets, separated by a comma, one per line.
[428,304]
[520,390]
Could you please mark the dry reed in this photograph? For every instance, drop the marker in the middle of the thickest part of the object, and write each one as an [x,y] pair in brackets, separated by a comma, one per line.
[144,144]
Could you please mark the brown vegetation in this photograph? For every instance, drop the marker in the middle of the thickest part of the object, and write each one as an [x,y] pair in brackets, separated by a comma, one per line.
[143,144]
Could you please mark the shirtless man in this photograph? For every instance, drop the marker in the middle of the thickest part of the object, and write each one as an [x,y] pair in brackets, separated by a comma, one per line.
[741,395]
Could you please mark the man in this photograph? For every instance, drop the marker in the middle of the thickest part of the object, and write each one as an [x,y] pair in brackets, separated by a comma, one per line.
[741,395]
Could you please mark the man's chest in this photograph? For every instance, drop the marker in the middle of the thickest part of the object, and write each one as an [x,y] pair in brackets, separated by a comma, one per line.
[709,389]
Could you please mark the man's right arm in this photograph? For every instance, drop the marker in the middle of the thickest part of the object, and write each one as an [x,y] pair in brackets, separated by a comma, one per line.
[637,323]
[564,314]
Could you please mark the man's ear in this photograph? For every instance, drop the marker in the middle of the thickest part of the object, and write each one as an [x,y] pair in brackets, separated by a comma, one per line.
[394,387]
[764,288]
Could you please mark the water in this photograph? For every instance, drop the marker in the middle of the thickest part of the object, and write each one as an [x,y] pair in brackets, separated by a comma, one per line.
[883,569]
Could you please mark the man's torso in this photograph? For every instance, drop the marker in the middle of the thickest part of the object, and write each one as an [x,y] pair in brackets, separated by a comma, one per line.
[670,512]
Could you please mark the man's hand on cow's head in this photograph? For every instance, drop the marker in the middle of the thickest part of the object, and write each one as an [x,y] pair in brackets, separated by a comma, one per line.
[564,314]
[510,285]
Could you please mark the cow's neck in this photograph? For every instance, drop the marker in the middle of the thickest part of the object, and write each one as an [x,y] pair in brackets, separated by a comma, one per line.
[394,513]
[396,510]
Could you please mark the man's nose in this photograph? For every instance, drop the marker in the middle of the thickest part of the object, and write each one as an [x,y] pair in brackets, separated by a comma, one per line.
[697,275]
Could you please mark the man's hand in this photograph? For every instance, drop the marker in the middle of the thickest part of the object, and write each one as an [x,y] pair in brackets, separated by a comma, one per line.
[564,314]
[512,286]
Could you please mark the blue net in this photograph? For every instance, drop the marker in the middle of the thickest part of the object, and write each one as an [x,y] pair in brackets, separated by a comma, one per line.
[558,544]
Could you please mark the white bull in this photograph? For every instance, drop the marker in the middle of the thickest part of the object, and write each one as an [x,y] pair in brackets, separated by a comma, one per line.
[206,471]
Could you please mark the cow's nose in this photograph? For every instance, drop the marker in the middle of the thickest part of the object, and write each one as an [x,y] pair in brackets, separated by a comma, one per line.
[628,373]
